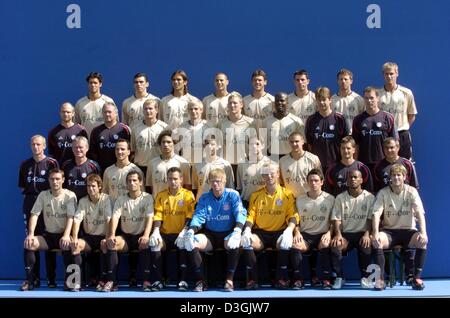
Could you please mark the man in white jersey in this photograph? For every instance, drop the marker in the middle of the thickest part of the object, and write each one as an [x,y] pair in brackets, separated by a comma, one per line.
[211,161]
[145,135]
[156,180]
[259,104]
[352,214]
[58,206]
[173,107]
[236,129]
[346,101]
[189,135]
[302,102]
[135,212]
[248,178]
[88,109]
[215,105]
[296,165]
[399,101]
[280,125]
[94,212]
[314,231]
[132,111]
[114,177]
[402,209]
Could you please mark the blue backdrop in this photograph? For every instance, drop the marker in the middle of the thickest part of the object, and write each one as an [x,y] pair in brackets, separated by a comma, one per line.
[44,62]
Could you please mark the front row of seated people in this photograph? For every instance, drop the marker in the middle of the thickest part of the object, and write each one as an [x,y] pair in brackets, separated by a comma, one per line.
[275,219]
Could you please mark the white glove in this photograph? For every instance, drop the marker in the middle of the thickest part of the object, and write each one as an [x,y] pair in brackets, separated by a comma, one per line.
[286,239]
[189,240]
[246,239]
[235,239]
[155,238]
[179,242]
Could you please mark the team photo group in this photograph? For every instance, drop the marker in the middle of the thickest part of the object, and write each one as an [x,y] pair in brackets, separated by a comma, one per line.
[310,172]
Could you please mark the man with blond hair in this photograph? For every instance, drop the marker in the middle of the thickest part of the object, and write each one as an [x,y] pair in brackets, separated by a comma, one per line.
[221,216]
[399,101]
[402,210]
[33,179]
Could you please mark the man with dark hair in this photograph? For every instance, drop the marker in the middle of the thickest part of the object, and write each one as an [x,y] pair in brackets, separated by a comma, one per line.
[337,175]
[173,212]
[351,217]
[325,129]
[280,125]
[88,109]
[173,107]
[135,213]
[57,206]
[156,179]
[391,147]
[371,128]
[94,212]
[215,104]
[302,102]
[258,105]
[132,111]
[314,231]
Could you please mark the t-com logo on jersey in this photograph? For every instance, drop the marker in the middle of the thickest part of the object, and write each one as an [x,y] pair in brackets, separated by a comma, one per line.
[35,180]
[371,132]
[218,217]
[324,134]
[76,182]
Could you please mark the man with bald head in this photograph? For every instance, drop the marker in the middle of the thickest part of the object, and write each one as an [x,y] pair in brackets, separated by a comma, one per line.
[61,136]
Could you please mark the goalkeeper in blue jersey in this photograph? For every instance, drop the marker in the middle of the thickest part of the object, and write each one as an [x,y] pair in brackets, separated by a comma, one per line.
[220,217]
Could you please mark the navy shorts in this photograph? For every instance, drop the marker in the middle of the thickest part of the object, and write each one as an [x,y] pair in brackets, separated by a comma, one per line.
[216,238]
[312,240]
[52,240]
[132,241]
[93,241]
[353,240]
[399,237]
[268,239]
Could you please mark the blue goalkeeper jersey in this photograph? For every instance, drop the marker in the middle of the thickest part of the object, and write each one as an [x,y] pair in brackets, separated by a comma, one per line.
[219,214]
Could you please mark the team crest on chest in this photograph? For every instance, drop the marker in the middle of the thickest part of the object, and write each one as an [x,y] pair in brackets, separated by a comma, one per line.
[226,207]
[323,208]
[181,203]
[279,202]
[42,172]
